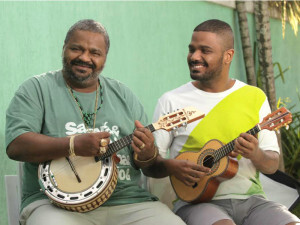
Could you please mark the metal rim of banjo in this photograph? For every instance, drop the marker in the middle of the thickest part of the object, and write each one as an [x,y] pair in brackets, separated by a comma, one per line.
[88,199]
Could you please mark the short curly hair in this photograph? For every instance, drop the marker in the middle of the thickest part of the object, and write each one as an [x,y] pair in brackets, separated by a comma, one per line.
[219,27]
[89,25]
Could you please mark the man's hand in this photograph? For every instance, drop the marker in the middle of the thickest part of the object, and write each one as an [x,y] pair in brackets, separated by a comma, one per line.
[187,172]
[246,145]
[143,142]
[91,144]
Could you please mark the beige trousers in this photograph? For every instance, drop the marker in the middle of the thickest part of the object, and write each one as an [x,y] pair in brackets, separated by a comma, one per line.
[145,213]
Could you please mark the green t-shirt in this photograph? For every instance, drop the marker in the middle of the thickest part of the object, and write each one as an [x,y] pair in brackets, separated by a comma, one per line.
[44,105]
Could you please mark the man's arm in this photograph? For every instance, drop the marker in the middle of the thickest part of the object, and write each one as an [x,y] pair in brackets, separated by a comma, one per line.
[34,147]
[189,173]
[268,162]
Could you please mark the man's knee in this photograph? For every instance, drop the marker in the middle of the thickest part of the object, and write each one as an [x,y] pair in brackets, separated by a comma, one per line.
[224,222]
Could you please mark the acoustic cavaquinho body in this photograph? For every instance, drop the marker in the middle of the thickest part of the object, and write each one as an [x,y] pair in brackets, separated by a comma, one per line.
[204,190]
[214,155]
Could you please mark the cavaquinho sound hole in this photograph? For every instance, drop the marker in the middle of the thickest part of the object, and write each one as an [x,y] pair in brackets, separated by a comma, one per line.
[208,161]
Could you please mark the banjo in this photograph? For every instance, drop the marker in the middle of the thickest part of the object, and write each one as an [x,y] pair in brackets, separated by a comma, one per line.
[59,178]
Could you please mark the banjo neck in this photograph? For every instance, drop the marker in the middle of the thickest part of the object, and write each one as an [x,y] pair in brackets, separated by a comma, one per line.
[168,122]
[119,144]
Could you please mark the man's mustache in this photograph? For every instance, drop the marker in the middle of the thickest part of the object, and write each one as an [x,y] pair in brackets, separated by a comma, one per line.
[81,63]
[195,62]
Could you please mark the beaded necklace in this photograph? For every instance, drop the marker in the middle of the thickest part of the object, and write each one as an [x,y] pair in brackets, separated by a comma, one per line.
[87,117]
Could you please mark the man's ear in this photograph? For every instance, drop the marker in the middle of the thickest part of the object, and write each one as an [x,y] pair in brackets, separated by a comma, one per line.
[228,56]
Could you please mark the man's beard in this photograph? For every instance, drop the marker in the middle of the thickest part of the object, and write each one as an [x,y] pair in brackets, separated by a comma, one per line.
[206,77]
[209,75]
[74,77]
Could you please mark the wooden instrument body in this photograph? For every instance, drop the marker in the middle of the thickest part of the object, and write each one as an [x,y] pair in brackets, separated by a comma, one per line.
[204,190]
[214,156]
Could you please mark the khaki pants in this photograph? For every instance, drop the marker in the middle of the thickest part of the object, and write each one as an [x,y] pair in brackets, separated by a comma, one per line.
[255,210]
[145,213]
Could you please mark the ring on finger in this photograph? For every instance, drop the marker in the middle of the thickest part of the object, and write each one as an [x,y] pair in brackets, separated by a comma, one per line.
[102,150]
[103,142]
[142,146]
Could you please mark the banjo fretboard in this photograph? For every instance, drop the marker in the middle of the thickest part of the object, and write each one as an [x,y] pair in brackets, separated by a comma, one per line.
[119,144]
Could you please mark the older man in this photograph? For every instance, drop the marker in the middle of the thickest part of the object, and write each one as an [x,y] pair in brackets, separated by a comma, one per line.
[70,116]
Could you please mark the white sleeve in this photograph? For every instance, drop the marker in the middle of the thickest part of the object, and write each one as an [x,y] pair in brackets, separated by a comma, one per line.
[267,139]
[163,138]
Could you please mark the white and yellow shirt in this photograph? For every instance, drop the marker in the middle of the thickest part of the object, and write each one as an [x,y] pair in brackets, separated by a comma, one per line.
[227,115]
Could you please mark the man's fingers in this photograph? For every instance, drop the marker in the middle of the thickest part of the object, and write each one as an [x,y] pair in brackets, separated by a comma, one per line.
[200,168]
[233,154]
[138,124]
[103,135]
[138,142]
[248,137]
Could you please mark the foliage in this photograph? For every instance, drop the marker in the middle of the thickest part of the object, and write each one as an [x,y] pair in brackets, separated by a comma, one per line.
[290,140]
[289,10]
[296,210]
[280,74]
[291,147]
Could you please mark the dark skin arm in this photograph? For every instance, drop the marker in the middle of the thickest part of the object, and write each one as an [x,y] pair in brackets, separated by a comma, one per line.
[34,147]
[186,171]
[247,146]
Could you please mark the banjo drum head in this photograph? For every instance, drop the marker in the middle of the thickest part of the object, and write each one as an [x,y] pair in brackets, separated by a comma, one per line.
[60,184]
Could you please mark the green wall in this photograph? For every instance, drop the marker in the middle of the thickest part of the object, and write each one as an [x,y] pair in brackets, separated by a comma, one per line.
[148,48]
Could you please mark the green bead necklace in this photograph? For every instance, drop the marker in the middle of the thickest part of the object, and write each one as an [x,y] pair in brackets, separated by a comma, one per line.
[89,119]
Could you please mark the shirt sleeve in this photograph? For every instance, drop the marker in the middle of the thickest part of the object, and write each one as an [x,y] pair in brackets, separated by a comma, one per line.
[267,139]
[25,113]
[163,138]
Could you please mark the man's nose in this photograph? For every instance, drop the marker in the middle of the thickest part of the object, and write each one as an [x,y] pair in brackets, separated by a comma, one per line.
[195,56]
[85,56]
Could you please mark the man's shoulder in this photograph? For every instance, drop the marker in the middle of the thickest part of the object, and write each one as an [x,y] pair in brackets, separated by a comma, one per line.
[110,80]
[252,89]
[50,75]
[114,84]
[41,80]
[44,77]
[187,87]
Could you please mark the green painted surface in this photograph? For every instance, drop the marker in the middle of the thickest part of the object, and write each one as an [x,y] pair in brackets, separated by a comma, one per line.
[148,48]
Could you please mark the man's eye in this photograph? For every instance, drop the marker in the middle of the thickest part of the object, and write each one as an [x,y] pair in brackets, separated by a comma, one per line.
[206,51]
[191,50]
